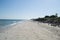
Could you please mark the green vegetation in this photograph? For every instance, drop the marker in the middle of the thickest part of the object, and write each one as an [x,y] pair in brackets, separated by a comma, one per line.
[54,20]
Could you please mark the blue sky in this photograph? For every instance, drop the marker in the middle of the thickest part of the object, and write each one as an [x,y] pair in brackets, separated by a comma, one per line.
[26,9]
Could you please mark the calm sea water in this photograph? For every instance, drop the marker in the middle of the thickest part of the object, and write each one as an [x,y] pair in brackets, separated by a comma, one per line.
[4,23]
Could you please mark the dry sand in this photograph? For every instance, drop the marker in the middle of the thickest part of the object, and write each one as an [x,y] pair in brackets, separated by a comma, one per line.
[30,30]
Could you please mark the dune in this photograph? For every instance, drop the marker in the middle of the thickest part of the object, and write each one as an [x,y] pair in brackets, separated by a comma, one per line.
[31,30]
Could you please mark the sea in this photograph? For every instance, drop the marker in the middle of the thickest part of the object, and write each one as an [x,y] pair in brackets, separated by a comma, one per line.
[6,23]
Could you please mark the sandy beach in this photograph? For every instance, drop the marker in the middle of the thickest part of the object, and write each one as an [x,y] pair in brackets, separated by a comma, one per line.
[31,30]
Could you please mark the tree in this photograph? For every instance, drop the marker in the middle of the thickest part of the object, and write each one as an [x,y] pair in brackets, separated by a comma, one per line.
[46,17]
[53,16]
[56,14]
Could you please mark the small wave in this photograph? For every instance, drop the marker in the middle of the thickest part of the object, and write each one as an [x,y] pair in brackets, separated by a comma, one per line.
[10,25]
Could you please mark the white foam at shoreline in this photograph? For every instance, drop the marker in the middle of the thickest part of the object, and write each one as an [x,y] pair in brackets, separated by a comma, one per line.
[9,26]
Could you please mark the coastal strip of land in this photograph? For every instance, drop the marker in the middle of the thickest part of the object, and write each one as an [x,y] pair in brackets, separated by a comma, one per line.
[31,30]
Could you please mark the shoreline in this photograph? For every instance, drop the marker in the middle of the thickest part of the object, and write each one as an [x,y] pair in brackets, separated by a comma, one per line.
[10,26]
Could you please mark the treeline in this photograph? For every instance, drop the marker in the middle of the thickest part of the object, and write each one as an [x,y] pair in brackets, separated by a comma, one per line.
[54,20]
